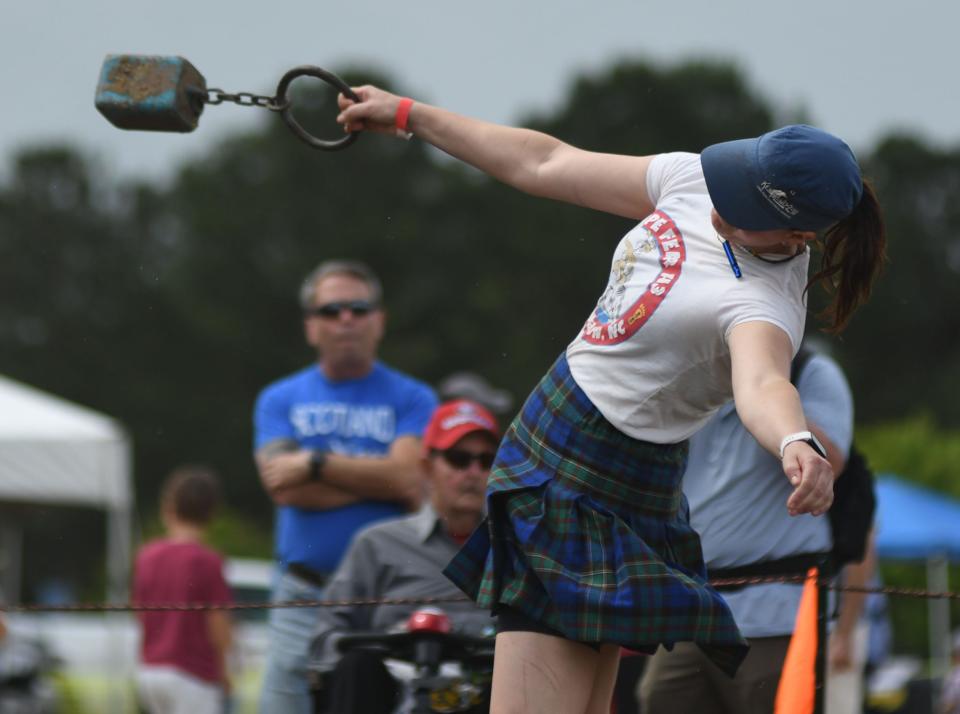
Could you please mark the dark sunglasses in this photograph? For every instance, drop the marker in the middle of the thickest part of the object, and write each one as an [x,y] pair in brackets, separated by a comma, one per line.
[332,310]
[460,459]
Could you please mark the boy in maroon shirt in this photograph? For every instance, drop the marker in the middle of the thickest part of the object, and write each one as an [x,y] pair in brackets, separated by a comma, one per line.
[183,653]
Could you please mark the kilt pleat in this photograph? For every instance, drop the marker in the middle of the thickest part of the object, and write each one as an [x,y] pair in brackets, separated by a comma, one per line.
[587,532]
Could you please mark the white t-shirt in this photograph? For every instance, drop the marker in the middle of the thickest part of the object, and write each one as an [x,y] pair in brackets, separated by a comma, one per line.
[653,355]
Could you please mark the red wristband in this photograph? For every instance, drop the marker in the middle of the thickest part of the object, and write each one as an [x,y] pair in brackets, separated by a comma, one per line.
[403,113]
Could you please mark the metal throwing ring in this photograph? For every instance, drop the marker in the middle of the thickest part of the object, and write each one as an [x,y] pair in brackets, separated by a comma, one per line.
[287,115]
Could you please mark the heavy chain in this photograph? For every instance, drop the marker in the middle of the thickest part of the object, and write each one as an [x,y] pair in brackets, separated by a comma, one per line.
[281,104]
[244,99]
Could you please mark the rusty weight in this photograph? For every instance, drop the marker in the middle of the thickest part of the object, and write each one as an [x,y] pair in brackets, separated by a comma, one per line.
[151,92]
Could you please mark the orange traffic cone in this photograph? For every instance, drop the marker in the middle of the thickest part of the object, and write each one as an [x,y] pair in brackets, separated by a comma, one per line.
[795,695]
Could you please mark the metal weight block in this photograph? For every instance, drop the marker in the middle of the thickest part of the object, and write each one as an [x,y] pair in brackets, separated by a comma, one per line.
[153,93]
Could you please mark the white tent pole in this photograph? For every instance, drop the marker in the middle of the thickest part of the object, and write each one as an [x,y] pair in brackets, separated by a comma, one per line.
[119,557]
[118,553]
[938,620]
[119,521]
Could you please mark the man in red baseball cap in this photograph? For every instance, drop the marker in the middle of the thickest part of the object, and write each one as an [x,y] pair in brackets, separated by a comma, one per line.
[459,445]
[403,559]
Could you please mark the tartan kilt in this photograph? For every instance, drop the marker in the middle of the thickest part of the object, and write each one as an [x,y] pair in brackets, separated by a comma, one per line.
[587,533]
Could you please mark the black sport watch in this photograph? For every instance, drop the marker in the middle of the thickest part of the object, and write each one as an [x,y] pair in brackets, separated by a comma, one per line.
[318,460]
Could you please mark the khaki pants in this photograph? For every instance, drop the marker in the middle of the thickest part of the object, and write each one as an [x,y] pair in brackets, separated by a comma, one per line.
[685,681]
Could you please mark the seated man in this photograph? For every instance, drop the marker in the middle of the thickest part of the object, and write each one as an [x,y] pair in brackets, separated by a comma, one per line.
[403,558]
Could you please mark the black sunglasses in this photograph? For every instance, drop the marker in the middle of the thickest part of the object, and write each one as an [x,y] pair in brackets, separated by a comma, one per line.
[332,310]
[460,459]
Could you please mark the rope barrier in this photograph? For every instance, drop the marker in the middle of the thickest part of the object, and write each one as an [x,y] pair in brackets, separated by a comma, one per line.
[370,602]
[882,590]
[194,606]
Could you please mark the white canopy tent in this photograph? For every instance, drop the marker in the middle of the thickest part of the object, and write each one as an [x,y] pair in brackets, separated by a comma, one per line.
[58,453]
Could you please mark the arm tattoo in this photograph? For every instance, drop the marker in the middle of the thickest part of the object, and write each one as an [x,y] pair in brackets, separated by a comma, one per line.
[276,447]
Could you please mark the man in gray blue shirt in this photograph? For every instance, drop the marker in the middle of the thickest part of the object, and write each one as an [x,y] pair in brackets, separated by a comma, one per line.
[736,491]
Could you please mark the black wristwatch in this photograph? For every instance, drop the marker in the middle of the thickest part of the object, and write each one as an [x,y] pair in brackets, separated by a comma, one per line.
[317,461]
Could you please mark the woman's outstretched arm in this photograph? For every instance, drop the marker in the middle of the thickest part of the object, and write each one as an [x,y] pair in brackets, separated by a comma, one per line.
[530,161]
[769,406]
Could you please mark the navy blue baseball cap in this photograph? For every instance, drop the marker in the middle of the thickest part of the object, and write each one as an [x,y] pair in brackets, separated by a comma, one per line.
[797,177]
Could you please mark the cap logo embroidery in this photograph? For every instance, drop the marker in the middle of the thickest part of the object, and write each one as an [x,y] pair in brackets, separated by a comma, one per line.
[778,199]
[466,414]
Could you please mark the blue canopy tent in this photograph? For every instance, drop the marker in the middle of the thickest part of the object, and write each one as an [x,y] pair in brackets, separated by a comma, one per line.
[917,523]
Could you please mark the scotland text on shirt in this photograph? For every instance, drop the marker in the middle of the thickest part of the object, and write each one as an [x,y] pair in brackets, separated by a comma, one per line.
[345,421]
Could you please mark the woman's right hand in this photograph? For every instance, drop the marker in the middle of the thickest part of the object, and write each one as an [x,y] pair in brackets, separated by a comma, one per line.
[811,476]
[376,110]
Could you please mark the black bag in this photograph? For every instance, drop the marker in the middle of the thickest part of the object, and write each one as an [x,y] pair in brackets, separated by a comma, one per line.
[851,515]
[854,499]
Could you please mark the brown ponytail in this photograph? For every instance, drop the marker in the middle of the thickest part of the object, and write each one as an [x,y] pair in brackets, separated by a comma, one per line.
[854,251]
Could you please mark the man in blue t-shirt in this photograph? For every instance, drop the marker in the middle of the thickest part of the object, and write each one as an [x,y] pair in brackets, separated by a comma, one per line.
[337,446]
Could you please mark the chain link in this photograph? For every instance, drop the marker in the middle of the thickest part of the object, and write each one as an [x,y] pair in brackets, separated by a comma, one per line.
[244,99]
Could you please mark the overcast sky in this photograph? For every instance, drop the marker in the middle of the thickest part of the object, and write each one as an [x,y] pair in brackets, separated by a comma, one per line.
[859,67]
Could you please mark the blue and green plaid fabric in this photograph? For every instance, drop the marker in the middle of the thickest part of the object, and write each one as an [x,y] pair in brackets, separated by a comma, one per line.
[587,532]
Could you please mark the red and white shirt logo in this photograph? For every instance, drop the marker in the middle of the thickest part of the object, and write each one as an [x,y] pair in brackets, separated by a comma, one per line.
[611,323]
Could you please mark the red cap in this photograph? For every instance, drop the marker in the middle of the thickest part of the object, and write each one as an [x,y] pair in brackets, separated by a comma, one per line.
[452,421]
